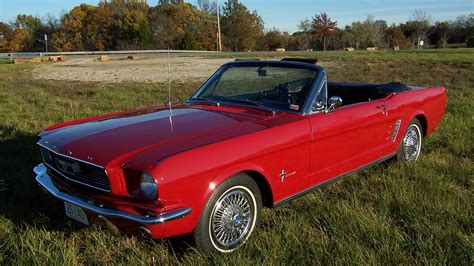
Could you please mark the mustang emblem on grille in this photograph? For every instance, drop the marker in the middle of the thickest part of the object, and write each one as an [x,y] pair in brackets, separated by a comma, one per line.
[68,166]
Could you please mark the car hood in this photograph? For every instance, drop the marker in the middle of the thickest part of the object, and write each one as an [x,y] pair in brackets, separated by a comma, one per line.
[119,138]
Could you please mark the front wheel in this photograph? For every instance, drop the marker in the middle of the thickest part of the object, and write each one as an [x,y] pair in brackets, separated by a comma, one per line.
[410,147]
[230,216]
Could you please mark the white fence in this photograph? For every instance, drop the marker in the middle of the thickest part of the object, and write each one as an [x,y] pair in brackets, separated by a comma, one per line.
[41,54]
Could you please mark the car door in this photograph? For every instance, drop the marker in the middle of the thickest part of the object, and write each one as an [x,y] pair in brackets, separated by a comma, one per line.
[347,138]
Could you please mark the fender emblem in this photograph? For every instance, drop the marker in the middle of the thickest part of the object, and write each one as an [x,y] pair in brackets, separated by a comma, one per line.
[396,129]
[284,174]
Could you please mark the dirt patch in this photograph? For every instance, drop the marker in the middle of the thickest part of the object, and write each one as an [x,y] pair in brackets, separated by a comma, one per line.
[118,71]
[149,70]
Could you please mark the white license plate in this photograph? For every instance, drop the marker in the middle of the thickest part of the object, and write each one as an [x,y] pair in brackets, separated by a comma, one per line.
[76,213]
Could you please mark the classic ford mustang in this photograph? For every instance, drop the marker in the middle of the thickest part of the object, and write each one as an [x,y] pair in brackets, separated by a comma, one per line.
[257,134]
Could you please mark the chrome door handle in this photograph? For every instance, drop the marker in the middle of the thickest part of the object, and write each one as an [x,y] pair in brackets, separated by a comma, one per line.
[383,107]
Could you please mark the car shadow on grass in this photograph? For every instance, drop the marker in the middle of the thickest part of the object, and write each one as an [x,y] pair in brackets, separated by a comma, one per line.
[22,201]
[25,203]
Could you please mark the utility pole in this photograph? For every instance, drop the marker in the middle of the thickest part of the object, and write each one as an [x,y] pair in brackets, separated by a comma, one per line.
[46,42]
[219,40]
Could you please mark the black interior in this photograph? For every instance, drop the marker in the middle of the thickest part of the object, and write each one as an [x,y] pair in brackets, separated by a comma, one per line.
[352,93]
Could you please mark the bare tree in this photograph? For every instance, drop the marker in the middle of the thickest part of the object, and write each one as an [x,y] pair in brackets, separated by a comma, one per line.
[421,22]
[207,6]
[305,26]
[443,32]
[52,21]
[303,38]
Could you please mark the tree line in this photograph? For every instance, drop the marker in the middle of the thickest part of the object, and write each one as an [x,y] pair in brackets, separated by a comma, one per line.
[175,24]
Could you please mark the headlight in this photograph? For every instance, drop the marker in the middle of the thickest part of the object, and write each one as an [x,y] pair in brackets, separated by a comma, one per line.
[148,186]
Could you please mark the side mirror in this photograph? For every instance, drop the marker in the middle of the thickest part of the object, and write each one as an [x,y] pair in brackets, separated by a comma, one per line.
[334,102]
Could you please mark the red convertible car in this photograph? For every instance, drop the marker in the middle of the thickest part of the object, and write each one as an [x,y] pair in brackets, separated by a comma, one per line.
[257,134]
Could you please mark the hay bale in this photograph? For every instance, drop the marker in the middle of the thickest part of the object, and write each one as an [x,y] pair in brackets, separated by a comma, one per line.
[20,61]
[280,50]
[371,48]
[349,49]
[396,48]
[58,58]
[133,57]
[103,58]
[36,60]
[53,58]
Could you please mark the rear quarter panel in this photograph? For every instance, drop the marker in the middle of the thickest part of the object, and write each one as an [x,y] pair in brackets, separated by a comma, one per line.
[429,103]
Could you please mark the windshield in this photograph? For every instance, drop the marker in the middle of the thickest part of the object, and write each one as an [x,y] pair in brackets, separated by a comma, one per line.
[272,87]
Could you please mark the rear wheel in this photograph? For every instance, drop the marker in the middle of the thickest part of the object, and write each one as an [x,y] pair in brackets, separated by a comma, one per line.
[410,147]
[230,216]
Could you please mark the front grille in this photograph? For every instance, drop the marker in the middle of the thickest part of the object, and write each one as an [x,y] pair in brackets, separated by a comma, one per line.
[76,171]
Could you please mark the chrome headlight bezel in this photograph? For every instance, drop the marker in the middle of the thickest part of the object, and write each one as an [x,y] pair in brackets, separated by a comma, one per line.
[148,186]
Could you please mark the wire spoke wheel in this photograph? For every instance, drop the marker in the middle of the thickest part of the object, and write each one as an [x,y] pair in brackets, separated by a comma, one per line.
[232,218]
[412,143]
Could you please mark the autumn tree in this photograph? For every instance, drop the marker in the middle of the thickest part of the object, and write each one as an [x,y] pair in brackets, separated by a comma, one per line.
[324,27]
[271,40]
[28,33]
[241,28]
[395,37]
[75,29]
[182,26]
[7,32]
[208,30]
[132,24]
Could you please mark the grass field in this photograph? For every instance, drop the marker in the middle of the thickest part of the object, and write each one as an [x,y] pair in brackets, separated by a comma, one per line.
[393,213]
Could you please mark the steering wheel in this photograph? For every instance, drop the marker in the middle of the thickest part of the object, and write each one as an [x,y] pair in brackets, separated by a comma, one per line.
[289,97]
[282,89]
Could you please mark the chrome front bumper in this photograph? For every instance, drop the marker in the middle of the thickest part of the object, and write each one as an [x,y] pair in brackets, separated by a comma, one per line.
[44,180]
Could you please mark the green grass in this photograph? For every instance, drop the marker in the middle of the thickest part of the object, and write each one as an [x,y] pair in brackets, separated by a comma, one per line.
[433,55]
[393,213]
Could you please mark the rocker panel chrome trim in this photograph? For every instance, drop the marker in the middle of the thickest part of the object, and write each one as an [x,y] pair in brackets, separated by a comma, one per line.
[329,181]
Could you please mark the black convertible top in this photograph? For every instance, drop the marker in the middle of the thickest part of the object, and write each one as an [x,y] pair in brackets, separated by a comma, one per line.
[351,92]
[382,88]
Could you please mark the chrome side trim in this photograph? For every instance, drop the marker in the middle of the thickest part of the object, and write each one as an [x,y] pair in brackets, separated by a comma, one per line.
[72,158]
[76,181]
[329,181]
[45,181]
[396,130]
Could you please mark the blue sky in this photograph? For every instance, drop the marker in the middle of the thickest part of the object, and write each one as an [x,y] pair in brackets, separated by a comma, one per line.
[283,14]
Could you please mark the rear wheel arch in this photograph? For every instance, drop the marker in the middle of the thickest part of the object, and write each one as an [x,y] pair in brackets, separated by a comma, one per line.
[423,122]
[421,117]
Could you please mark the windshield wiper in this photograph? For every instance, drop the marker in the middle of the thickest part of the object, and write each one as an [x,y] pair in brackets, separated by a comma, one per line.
[255,104]
[199,99]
